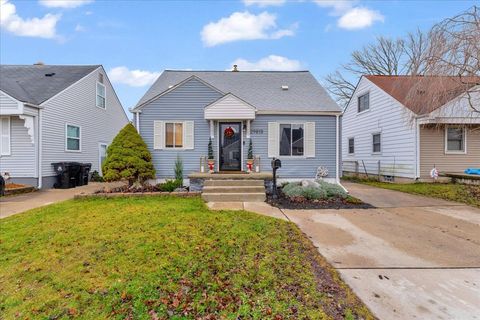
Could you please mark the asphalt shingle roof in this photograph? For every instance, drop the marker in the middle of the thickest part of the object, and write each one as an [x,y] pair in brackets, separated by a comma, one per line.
[29,83]
[262,89]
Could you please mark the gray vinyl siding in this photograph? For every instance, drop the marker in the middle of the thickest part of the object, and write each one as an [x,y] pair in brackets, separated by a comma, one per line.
[77,106]
[8,104]
[186,102]
[300,167]
[21,161]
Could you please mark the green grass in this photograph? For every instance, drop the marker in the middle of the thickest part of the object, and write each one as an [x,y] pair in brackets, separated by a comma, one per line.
[469,194]
[160,258]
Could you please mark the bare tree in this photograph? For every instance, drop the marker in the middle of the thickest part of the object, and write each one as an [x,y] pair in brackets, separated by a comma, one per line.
[450,52]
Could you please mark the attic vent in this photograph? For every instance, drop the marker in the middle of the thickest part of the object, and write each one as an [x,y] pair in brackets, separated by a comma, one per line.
[100,78]
[49,74]
[284,87]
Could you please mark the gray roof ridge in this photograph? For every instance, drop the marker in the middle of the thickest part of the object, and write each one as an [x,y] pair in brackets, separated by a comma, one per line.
[240,71]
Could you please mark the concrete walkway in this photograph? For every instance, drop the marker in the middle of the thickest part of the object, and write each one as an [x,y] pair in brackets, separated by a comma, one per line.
[19,203]
[412,257]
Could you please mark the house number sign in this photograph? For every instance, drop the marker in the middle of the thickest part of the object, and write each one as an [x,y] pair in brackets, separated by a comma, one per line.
[257,131]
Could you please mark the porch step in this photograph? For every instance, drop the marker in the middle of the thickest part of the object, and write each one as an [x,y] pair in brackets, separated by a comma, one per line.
[234,189]
[233,183]
[234,197]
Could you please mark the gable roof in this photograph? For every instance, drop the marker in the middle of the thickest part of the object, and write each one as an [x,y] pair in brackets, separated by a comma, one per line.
[423,94]
[262,89]
[29,83]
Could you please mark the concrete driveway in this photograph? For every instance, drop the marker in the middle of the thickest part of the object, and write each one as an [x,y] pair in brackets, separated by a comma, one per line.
[19,203]
[411,258]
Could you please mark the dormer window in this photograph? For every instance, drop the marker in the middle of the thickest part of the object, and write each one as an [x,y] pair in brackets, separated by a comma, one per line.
[364,102]
[101,97]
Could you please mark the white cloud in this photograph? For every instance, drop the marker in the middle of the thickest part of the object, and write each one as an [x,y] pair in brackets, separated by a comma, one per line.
[351,17]
[264,3]
[67,4]
[270,63]
[359,18]
[80,28]
[133,78]
[243,26]
[35,27]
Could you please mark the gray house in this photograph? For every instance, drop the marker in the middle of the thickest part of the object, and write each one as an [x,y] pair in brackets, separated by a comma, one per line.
[55,113]
[286,115]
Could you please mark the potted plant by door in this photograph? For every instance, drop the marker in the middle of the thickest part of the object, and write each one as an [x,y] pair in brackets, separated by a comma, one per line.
[250,159]
[211,159]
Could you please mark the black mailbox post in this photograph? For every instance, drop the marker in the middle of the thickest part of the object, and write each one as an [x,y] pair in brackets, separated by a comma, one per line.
[276,164]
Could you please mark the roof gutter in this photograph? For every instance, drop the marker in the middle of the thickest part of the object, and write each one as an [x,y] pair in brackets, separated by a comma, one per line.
[302,113]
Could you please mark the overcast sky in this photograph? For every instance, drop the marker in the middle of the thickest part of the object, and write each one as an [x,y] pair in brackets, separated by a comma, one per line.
[136,40]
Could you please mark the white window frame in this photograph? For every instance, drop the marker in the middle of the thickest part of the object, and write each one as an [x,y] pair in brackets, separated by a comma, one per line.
[183,135]
[381,143]
[100,144]
[97,95]
[79,137]
[348,145]
[291,145]
[358,102]
[464,129]
[9,153]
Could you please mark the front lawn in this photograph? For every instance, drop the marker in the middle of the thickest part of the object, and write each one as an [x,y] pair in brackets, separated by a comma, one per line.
[469,194]
[163,258]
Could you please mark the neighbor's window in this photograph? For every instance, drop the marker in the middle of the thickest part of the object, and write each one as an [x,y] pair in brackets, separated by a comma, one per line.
[73,138]
[364,102]
[455,139]
[377,144]
[351,146]
[100,95]
[291,139]
[5,136]
[174,135]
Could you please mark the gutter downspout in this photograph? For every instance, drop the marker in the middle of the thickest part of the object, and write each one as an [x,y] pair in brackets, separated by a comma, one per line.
[39,158]
[337,150]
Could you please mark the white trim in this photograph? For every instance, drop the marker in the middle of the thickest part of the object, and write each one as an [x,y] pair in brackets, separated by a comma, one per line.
[97,95]
[20,104]
[337,153]
[417,148]
[464,129]
[59,93]
[137,121]
[9,125]
[100,144]
[40,147]
[79,138]
[232,113]
[302,113]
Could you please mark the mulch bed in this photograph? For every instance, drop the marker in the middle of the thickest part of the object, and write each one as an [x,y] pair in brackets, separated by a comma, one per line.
[284,202]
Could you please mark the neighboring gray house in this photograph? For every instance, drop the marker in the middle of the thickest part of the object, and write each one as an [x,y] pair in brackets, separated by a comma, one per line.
[55,113]
[287,115]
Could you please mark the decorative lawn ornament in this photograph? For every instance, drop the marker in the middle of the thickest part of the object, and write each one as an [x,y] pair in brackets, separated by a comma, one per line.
[322,172]
[434,174]
[228,132]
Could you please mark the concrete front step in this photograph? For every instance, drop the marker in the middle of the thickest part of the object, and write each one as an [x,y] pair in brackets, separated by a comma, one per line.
[233,183]
[234,197]
[234,189]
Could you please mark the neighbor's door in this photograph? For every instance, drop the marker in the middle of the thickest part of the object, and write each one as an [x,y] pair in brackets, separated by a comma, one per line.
[102,155]
[230,146]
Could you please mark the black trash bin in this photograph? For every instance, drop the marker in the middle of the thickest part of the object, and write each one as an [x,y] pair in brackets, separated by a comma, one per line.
[67,174]
[83,174]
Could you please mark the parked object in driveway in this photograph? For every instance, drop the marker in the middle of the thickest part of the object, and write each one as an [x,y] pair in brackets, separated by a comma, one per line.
[55,113]
[71,174]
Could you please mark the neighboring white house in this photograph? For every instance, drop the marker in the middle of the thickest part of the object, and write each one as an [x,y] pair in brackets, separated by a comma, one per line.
[54,113]
[388,129]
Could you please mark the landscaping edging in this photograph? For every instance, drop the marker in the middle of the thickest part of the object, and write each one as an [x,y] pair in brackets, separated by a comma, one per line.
[137,194]
[22,190]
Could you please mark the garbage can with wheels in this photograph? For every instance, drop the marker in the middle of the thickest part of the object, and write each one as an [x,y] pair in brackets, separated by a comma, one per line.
[83,174]
[67,174]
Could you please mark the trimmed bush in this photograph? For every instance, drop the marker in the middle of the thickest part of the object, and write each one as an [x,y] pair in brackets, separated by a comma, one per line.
[96,177]
[169,185]
[128,158]
[323,191]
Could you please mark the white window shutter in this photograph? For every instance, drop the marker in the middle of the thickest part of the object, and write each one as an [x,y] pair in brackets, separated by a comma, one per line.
[273,139]
[158,135]
[188,134]
[5,136]
[310,139]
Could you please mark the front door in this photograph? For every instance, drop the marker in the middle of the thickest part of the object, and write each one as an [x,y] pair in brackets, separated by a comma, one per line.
[230,146]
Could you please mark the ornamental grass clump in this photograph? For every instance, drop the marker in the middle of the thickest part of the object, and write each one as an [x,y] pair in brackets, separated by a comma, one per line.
[128,158]
[320,190]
